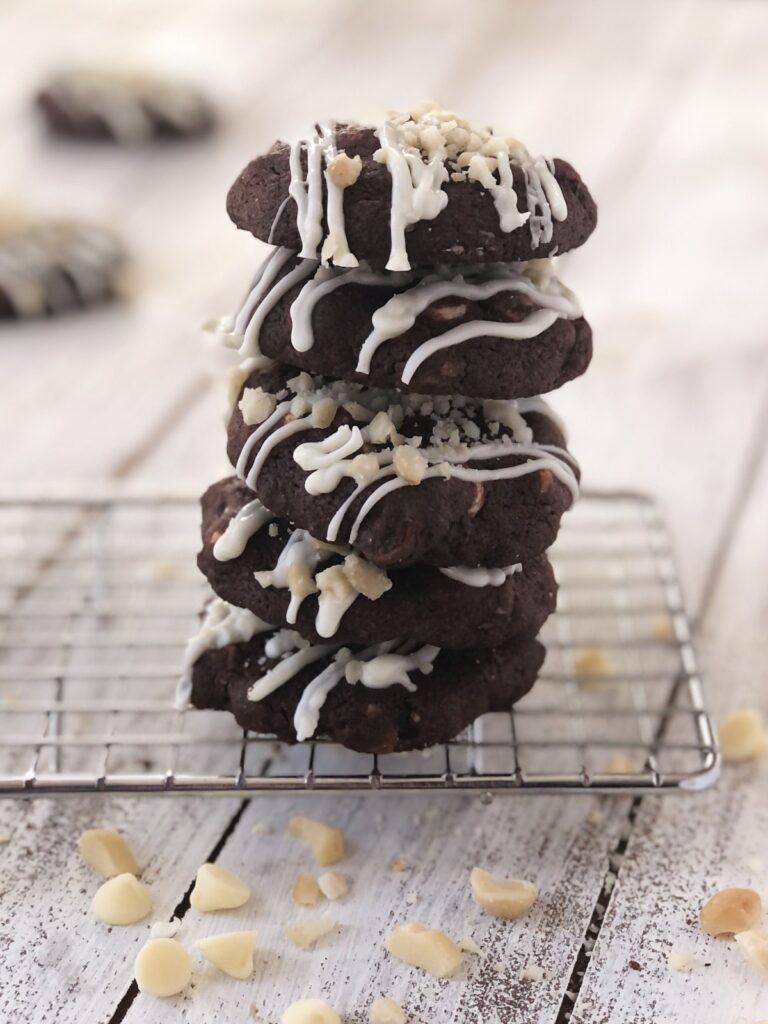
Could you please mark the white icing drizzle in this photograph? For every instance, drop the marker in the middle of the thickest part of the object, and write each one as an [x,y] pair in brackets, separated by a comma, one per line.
[299,548]
[389,669]
[325,460]
[287,669]
[479,577]
[222,624]
[248,521]
[502,191]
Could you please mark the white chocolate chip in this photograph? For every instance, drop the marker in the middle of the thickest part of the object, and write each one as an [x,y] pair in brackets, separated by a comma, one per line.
[679,961]
[742,736]
[107,852]
[306,891]
[256,405]
[325,842]
[162,968]
[365,577]
[122,900]
[217,889]
[754,945]
[323,413]
[306,933]
[507,898]
[385,1011]
[231,952]
[427,948]
[410,465]
[310,1011]
[730,911]
[344,170]
[333,885]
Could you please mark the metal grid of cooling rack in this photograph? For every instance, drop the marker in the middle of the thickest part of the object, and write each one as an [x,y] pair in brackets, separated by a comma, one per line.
[98,595]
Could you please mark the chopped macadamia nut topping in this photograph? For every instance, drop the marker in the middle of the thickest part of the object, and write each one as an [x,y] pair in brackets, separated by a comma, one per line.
[754,946]
[310,1011]
[323,413]
[380,429]
[256,405]
[344,170]
[386,1011]
[122,900]
[679,961]
[363,468]
[359,412]
[162,968]
[333,885]
[333,581]
[107,852]
[325,842]
[743,736]
[410,465]
[507,898]
[235,377]
[427,948]
[231,952]
[306,933]
[730,911]
[299,579]
[217,889]
[306,891]
[593,663]
[366,578]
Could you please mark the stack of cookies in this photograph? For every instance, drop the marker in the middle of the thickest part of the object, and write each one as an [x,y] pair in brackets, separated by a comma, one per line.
[379,556]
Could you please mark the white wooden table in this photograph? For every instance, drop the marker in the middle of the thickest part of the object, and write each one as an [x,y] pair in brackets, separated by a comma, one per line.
[661,106]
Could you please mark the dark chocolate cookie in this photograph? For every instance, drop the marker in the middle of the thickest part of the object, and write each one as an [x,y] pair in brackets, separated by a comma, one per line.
[461,686]
[494,333]
[466,230]
[467,490]
[124,107]
[421,601]
[51,267]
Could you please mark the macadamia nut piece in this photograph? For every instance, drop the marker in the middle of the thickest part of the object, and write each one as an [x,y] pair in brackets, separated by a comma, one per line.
[333,885]
[217,889]
[386,1011]
[742,736]
[306,933]
[107,852]
[231,952]
[310,1011]
[754,946]
[162,968]
[122,900]
[325,842]
[730,911]
[507,898]
[306,891]
[423,947]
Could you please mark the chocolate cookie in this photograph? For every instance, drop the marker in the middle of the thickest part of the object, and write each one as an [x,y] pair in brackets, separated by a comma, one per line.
[455,688]
[123,107]
[405,478]
[51,267]
[499,332]
[479,199]
[357,603]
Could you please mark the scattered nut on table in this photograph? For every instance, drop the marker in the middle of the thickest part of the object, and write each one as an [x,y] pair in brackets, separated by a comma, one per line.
[217,889]
[306,891]
[310,1011]
[730,911]
[385,1011]
[325,842]
[507,898]
[742,736]
[305,934]
[122,900]
[107,852]
[162,968]
[423,947]
[754,945]
[333,885]
[231,952]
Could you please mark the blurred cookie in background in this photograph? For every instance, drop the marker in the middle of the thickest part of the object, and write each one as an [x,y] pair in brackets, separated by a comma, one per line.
[123,106]
[48,266]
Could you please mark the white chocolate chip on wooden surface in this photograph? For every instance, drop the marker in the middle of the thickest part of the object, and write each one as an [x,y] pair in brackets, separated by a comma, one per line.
[507,898]
[730,911]
[742,736]
[305,934]
[426,948]
[217,889]
[231,952]
[333,885]
[310,1011]
[306,891]
[162,968]
[107,852]
[122,900]
[386,1011]
[325,842]
[754,945]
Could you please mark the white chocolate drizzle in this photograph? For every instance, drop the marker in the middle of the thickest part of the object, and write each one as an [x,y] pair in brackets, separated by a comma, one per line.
[388,669]
[248,521]
[479,577]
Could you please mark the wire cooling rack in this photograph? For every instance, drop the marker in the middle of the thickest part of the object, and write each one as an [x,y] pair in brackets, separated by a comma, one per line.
[97,597]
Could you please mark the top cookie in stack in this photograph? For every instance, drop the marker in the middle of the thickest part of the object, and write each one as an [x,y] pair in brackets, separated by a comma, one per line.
[393,347]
